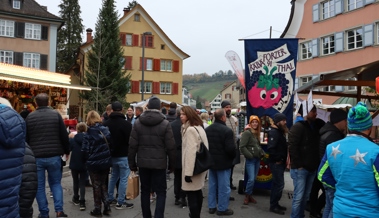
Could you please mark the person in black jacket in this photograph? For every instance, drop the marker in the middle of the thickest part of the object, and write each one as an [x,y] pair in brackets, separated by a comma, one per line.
[222,148]
[28,189]
[277,148]
[172,113]
[120,132]
[78,167]
[180,195]
[332,131]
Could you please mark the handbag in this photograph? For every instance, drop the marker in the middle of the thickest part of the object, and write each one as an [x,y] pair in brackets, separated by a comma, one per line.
[204,160]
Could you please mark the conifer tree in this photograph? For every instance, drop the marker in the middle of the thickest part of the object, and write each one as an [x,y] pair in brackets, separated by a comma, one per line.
[105,62]
[69,36]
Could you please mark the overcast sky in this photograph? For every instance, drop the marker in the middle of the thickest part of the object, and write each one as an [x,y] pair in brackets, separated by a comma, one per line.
[204,29]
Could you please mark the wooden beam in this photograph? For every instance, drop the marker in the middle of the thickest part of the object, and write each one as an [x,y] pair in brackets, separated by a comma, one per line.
[345,83]
[339,94]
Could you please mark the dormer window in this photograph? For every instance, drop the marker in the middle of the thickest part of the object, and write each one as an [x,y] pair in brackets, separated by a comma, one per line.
[16,4]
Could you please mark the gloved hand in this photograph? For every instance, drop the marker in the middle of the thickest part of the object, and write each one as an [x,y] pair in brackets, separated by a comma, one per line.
[188,179]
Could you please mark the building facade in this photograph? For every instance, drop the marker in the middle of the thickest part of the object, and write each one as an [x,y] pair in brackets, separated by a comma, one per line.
[231,93]
[216,102]
[338,46]
[28,34]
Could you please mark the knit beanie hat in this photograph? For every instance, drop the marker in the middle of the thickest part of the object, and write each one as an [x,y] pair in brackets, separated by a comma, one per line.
[279,117]
[359,118]
[154,103]
[337,115]
[253,117]
[225,103]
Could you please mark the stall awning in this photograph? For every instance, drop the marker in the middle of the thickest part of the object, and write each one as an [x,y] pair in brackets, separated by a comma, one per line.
[365,76]
[39,77]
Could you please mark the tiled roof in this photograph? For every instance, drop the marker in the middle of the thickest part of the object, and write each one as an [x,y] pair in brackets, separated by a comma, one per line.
[29,8]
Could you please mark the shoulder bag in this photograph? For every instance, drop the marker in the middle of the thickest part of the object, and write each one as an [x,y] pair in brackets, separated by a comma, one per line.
[204,160]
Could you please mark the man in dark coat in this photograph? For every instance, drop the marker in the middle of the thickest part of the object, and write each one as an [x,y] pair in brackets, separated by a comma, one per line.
[277,148]
[120,132]
[223,151]
[47,136]
[12,148]
[172,114]
[180,195]
[151,142]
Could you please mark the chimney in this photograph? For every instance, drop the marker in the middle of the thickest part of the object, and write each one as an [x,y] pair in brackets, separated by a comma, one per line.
[89,35]
[126,11]
[44,7]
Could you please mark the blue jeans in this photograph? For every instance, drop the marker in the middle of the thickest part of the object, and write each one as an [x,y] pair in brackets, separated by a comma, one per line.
[54,176]
[302,182]
[277,186]
[120,170]
[251,168]
[153,180]
[219,182]
[329,195]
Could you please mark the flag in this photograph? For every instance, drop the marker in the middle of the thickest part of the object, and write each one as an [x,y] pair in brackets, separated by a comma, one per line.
[235,62]
[270,70]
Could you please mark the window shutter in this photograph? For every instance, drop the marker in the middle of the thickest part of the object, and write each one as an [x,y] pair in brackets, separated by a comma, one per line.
[157,65]
[44,33]
[316,13]
[315,48]
[156,88]
[135,40]
[368,35]
[43,63]
[338,38]
[175,88]
[18,58]
[366,2]
[20,29]
[175,66]
[128,62]
[123,38]
[338,4]
[135,86]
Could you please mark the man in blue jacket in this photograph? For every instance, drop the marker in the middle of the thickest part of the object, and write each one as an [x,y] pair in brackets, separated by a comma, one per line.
[350,166]
[12,148]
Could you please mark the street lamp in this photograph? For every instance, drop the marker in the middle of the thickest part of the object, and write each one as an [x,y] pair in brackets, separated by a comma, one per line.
[143,62]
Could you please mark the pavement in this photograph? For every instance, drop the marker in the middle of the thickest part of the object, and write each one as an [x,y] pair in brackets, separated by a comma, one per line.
[261,209]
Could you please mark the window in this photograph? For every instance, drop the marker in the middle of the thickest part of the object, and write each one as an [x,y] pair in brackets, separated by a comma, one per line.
[354,38]
[165,88]
[327,9]
[162,46]
[328,45]
[228,96]
[354,4]
[137,17]
[32,31]
[352,88]
[6,57]
[330,89]
[305,79]
[129,40]
[166,65]
[31,60]
[306,50]
[16,4]
[147,85]
[149,41]
[6,28]
[149,64]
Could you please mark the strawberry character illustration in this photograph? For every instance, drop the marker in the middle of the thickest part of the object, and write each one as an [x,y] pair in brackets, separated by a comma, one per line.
[267,89]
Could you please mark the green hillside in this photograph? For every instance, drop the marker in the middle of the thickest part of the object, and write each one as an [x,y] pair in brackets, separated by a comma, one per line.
[206,90]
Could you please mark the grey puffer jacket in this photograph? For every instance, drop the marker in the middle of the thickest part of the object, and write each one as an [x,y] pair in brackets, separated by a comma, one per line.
[151,141]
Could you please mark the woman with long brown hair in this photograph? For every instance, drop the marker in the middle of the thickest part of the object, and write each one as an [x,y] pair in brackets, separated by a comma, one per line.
[192,135]
[250,147]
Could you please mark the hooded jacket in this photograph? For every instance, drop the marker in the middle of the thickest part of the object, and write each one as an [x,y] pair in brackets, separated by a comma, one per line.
[12,149]
[76,160]
[120,133]
[151,142]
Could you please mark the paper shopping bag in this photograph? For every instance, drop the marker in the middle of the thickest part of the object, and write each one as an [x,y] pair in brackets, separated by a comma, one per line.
[132,189]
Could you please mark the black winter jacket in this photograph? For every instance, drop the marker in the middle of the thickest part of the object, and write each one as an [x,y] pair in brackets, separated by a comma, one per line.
[176,126]
[171,116]
[303,142]
[120,133]
[95,148]
[28,189]
[329,133]
[46,133]
[221,145]
[277,145]
[151,142]
[76,160]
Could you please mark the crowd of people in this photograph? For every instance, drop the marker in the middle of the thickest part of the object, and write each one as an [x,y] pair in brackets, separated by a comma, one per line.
[337,158]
